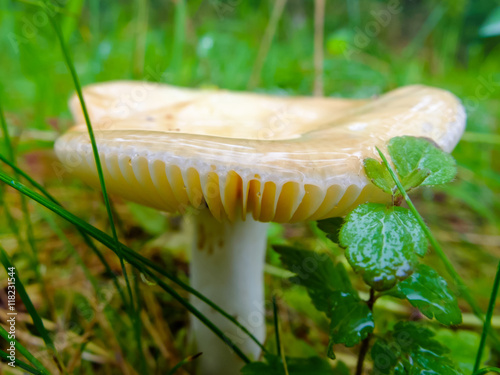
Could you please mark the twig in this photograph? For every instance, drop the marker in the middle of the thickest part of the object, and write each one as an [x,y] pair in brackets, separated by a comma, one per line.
[365,345]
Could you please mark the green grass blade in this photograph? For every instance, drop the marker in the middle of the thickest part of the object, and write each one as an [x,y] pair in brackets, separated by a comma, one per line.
[429,25]
[132,257]
[142,259]
[280,352]
[26,215]
[437,247]
[180,16]
[60,234]
[86,238]
[21,364]
[487,321]
[95,152]
[194,292]
[183,362]
[69,23]
[265,45]
[3,123]
[141,31]
[137,323]
[37,321]
[276,328]
[25,352]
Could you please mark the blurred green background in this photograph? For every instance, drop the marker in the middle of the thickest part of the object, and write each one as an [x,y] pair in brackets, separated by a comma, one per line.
[369,47]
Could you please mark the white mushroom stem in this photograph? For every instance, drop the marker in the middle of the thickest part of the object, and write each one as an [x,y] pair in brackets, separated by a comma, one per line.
[227,264]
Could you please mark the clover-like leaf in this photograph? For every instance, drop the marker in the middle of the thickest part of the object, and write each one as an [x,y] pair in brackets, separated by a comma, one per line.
[331,227]
[317,273]
[429,292]
[415,178]
[411,349]
[350,319]
[379,175]
[382,243]
[410,153]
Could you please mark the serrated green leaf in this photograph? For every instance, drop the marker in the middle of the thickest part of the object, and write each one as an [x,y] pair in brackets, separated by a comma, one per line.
[295,366]
[382,243]
[385,357]
[317,273]
[350,319]
[379,175]
[410,153]
[415,178]
[411,349]
[429,292]
[331,227]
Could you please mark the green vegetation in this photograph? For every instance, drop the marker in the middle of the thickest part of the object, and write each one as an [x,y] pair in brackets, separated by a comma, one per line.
[119,304]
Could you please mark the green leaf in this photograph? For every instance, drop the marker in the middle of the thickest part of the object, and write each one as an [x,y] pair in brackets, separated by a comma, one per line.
[379,175]
[317,273]
[331,291]
[331,227]
[382,243]
[429,292]
[415,178]
[350,319]
[411,349]
[295,366]
[409,154]
[21,290]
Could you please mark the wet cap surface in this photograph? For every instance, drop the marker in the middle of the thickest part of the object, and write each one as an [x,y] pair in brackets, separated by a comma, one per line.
[283,159]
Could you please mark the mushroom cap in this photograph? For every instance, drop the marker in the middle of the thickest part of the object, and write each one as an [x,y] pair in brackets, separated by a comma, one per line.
[282,159]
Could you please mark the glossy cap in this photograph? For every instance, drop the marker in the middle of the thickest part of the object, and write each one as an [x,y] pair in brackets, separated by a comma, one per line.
[283,159]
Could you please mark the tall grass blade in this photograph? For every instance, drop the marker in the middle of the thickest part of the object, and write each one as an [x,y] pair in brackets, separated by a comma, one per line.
[5,131]
[132,253]
[180,17]
[183,362]
[276,328]
[25,352]
[265,45]
[26,214]
[429,25]
[95,152]
[487,320]
[21,364]
[37,321]
[280,352]
[132,257]
[86,238]
[141,32]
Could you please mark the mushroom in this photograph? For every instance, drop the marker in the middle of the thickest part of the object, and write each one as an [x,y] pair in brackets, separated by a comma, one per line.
[243,160]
